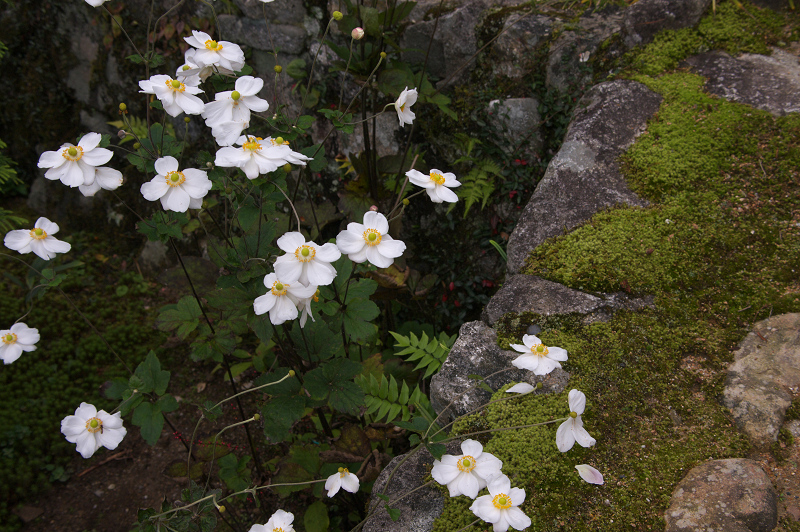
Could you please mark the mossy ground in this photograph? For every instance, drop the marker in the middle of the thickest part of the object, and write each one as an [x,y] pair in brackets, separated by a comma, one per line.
[719,248]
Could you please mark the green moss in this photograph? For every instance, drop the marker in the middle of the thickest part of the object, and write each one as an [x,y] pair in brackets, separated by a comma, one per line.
[732,29]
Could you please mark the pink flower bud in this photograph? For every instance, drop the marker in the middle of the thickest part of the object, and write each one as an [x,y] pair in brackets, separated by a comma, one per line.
[374,208]
[357,34]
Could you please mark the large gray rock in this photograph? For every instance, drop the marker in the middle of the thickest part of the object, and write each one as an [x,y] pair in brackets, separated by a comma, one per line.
[645,18]
[280,11]
[771,83]
[733,495]
[519,119]
[287,38]
[419,510]
[766,366]
[568,66]
[584,176]
[476,352]
[513,53]
[528,293]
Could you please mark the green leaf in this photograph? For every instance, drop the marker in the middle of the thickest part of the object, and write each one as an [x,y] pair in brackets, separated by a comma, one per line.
[183,316]
[334,381]
[154,379]
[235,473]
[296,69]
[316,518]
[167,403]
[280,414]
[305,121]
[148,418]
[394,513]
[372,25]
[315,342]
[437,450]
[356,317]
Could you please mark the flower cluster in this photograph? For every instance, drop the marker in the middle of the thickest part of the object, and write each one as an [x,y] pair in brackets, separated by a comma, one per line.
[77,166]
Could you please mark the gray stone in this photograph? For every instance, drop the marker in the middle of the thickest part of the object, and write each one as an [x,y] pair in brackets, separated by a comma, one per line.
[476,352]
[584,176]
[79,78]
[288,39]
[453,45]
[771,83]
[645,18]
[733,495]
[766,366]
[418,511]
[567,69]
[514,51]
[153,258]
[520,120]
[353,143]
[528,293]
[279,11]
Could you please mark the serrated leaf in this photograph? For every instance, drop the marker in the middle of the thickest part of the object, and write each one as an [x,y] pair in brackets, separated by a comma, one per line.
[153,378]
[280,414]
[149,419]
[316,517]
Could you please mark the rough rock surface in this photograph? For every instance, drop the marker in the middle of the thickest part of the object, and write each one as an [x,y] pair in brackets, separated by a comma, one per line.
[771,83]
[520,120]
[647,17]
[513,52]
[528,293]
[418,511]
[733,495]
[476,353]
[280,11]
[609,118]
[765,367]
[288,39]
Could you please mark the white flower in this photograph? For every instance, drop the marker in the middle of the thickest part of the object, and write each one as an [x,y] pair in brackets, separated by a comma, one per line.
[590,474]
[194,72]
[403,105]
[259,156]
[468,473]
[437,184]
[572,429]
[175,95]
[75,165]
[104,178]
[538,358]
[96,3]
[177,190]
[91,429]
[281,300]
[343,479]
[222,54]
[304,308]
[500,507]
[279,522]
[233,107]
[522,388]
[15,340]
[370,241]
[40,240]
[306,261]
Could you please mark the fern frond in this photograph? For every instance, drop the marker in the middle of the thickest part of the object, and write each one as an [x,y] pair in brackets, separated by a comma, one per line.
[429,353]
[386,399]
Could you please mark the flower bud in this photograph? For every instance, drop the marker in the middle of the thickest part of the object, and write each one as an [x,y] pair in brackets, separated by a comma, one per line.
[374,208]
[187,119]
[278,69]
[221,509]
[122,107]
[406,202]
[291,373]
[287,168]
[256,417]
[357,34]
[337,15]
[122,134]
[136,145]
[383,55]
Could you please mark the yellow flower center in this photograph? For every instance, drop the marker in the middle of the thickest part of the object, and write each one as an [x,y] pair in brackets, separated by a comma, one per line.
[252,144]
[315,297]
[372,237]
[38,233]
[502,501]
[279,289]
[186,67]
[213,45]
[277,529]
[437,178]
[175,179]
[540,350]
[94,425]
[236,95]
[175,85]
[573,415]
[343,471]
[279,141]
[73,153]
[10,338]
[305,253]
[466,463]
[403,107]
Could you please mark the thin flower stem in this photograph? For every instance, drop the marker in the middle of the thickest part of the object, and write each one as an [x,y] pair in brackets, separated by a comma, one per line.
[274,54]
[288,375]
[297,217]
[469,525]
[122,29]
[349,58]
[214,445]
[311,73]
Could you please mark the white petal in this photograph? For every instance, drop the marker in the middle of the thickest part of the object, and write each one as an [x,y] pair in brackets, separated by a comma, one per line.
[577,401]
[517,518]
[565,439]
[522,387]
[590,474]
[472,448]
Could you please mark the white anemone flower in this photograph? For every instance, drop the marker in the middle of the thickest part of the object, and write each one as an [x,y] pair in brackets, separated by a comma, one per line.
[343,479]
[537,357]
[370,241]
[306,262]
[572,429]
[280,521]
[259,156]
[15,340]
[281,300]
[75,165]
[521,388]
[437,184]
[178,190]
[468,473]
[222,54]
[96,3]
[197,73]
[235,105]
[501,506]
[104,178]
[175,95]
[403,105]
[40,240]
[91,429]
[590,474]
